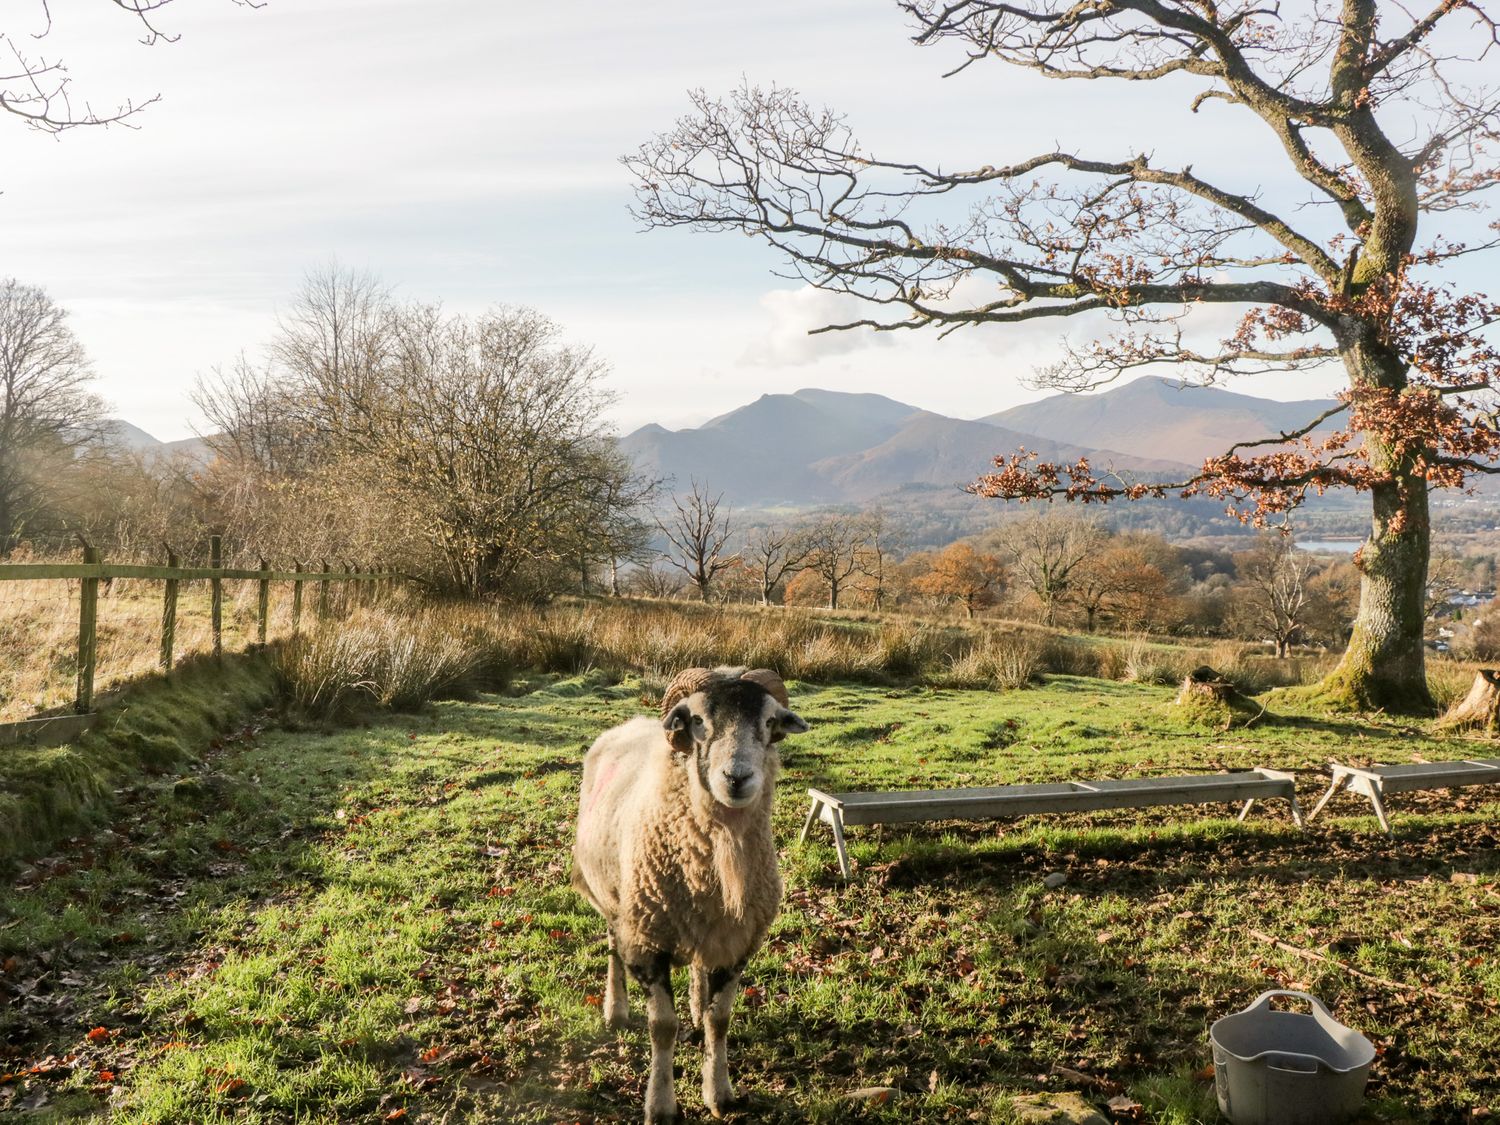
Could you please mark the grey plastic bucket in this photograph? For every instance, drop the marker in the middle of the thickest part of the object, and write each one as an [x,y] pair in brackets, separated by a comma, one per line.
[1286,1068]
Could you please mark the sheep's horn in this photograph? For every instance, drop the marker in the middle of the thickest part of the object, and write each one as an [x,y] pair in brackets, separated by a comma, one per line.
[683,685]
[771,682]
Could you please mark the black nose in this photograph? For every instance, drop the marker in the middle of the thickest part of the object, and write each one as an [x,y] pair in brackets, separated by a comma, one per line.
[738,781]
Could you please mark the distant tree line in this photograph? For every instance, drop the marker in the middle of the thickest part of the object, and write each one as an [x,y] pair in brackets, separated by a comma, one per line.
[1053,567]
[470,452]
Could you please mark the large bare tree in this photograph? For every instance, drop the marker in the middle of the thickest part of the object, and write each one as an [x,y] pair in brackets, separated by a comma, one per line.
[1388,118]
[472,448]
[698,534]
[1272,597]
[838,541]
[1048,552]
[48,411]
[773,552]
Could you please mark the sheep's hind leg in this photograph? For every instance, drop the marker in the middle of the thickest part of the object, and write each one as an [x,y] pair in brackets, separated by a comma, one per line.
[616,1003]
[698,994]
[718,1094]
[655,976]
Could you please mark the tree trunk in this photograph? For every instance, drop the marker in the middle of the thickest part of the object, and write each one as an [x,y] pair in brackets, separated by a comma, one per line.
[1049,608]
[1280,648]
[1385,663]
[614,577]
[1481,707]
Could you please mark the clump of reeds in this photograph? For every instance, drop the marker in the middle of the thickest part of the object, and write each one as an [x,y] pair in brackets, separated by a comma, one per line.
[394,660]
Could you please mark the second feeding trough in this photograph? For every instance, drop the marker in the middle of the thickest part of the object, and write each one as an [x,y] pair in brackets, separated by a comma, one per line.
[1288,1068]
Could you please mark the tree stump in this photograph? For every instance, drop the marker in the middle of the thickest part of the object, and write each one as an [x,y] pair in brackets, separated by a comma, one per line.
[1479,709]
[1207,697]
[1204,685]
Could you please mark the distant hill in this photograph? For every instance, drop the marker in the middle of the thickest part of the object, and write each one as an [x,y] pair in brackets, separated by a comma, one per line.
[1155,417]
[122,434]
[133,439]
[936,450]
[764,451]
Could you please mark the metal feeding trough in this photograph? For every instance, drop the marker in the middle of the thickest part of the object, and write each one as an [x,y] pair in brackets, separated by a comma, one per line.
[1288,1068]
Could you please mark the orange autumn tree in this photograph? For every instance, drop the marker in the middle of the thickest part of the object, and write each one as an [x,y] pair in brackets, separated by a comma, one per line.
[963,575]
[1381,114]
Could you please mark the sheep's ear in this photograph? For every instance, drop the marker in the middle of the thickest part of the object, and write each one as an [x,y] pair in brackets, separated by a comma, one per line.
[678,725]
[788,722]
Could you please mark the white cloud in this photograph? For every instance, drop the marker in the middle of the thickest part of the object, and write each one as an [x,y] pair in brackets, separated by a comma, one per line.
[792,314]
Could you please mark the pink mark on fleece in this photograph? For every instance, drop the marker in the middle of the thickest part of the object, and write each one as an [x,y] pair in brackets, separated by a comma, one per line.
[599,786]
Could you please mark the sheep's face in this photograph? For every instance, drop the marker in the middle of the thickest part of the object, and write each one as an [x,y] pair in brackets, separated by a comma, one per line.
[727,735]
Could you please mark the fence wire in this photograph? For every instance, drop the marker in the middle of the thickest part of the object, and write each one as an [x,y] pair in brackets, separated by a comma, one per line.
[39,630]
[38,647]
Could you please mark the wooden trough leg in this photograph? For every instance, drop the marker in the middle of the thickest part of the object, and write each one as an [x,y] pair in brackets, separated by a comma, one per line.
[1297,812]
[838,841]
[812,816]
[1245,809]
[1340,779]
[1373,792]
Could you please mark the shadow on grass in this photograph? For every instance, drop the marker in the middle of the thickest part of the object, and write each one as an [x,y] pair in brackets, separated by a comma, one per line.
[86,930]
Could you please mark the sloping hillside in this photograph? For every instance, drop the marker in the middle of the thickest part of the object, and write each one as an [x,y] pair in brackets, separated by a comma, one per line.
[1155,417]
[764,451]
[132,439]
[933,449]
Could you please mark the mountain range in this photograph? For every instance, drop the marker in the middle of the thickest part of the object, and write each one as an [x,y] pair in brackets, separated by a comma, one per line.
[820,447]
[830,447]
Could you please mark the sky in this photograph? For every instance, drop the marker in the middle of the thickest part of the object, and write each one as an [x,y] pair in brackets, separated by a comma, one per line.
[468,151]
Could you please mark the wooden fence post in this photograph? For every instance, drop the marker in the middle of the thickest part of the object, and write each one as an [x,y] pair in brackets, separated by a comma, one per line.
[323,593]
[296,599]
[88,634]
[349,588]
[263,603]
[216,594]
[169,615]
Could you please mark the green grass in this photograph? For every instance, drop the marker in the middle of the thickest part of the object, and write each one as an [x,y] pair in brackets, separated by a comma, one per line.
[155,725]
[338,925]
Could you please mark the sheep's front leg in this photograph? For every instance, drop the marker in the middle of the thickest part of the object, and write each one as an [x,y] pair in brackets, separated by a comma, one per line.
[718,1094]
[655,976]
[616,1004]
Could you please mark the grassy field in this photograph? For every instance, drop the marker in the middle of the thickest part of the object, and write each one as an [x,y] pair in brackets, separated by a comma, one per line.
[374,923]
[39,635]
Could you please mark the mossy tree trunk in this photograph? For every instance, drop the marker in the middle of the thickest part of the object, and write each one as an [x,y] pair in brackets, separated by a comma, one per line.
[1384,666]
[1481,707]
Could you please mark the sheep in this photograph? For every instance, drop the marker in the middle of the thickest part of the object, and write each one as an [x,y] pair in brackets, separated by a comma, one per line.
[674,849]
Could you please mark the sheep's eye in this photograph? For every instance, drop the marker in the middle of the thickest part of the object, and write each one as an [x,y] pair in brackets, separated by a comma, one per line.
[697,720]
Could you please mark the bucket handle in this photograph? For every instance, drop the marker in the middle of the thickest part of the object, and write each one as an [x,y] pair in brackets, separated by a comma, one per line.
[1264,1000]
[1273,1057]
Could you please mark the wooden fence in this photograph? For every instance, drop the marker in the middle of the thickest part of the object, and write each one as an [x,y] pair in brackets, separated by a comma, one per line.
[94,570]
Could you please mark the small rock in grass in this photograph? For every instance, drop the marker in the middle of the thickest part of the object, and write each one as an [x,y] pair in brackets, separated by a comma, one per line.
[1055,880]
[877,1094]
[1056,1109]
